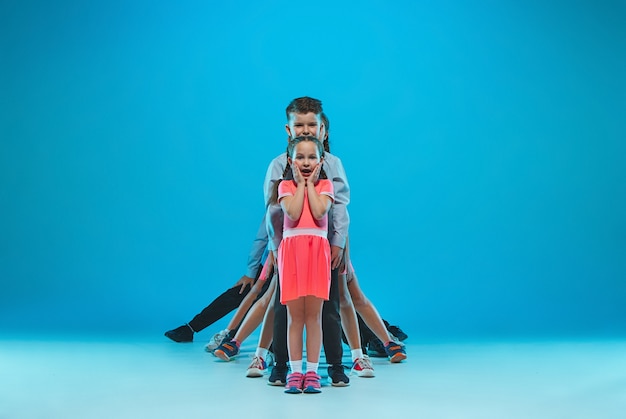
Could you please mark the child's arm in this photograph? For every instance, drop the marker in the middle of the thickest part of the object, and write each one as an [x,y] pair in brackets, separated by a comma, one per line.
[319,204]
[292,204]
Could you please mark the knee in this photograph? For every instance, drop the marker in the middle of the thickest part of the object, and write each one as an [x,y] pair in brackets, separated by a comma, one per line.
[257,287]
[264,301]
[313,319]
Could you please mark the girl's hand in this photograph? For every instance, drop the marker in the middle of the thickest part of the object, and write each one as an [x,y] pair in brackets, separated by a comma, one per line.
[297,175]
[315,174]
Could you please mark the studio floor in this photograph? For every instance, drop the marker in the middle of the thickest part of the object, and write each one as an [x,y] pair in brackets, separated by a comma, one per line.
[152,377]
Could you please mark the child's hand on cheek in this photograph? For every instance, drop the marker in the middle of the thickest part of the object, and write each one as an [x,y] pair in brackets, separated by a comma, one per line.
[315,175]
[297,175]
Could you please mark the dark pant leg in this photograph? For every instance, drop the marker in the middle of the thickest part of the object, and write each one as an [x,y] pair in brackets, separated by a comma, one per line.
[228,301]
[279,344]
[331,323]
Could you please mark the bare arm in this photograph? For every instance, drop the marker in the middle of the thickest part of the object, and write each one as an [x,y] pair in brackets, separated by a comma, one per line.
[292,205]
[319,204]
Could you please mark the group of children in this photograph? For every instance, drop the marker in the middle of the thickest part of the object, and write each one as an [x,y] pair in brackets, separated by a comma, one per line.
[307,285]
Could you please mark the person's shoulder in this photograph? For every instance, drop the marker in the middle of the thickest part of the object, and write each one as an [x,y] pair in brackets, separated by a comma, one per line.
[279,161]
[279,158]
[286,185]
[332,160]
[331,157]
[326,184]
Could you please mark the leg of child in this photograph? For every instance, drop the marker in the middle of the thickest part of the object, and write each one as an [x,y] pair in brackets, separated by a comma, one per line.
[259,362]
[245,305]
[349,321]
[255,316]
[267,327]
[361,365]
[313,324]
[229,348]
[295,330]
[371,317]
[278,375]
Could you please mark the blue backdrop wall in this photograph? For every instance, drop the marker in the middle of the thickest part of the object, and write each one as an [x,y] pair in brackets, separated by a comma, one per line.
[484,145]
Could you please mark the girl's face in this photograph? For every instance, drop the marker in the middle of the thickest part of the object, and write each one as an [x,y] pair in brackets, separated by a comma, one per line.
[305,157]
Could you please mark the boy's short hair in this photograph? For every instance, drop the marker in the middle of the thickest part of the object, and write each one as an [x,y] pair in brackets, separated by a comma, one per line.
[304,104]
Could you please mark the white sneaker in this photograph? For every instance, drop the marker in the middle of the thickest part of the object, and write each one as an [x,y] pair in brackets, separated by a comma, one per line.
[363,367]
[257,367]
[215,341]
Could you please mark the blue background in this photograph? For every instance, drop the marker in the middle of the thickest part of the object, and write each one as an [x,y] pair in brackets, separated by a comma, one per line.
[484,144]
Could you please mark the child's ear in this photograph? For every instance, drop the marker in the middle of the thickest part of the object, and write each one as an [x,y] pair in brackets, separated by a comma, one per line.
[289,160]
[322,132]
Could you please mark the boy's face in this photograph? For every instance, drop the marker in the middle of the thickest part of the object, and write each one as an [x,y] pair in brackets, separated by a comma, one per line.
[302,124]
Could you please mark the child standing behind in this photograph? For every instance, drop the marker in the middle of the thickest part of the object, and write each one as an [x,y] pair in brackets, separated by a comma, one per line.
[304,257]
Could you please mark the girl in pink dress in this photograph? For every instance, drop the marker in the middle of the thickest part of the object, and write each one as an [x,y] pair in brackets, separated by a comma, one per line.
[304,257]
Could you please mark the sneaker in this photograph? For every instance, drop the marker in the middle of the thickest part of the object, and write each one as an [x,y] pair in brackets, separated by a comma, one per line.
[181,334]
[363,367]
[278,376]
[337,377]
[226,351]
[294,383]
[312,383]
[397,332]
[257,367]
[216,341]
[376,348]
[395,352]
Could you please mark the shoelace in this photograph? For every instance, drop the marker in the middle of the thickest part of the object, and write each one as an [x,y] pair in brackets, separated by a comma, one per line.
[217,339]
[363,364]
[257,362]
[220,337]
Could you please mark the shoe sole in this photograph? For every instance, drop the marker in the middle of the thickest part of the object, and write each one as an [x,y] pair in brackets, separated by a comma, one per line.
[398,358]
[277,383]
[176,339]
[311,390]
[339,384]
[222,355]
[254,372]
[293,390]
[364,373]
